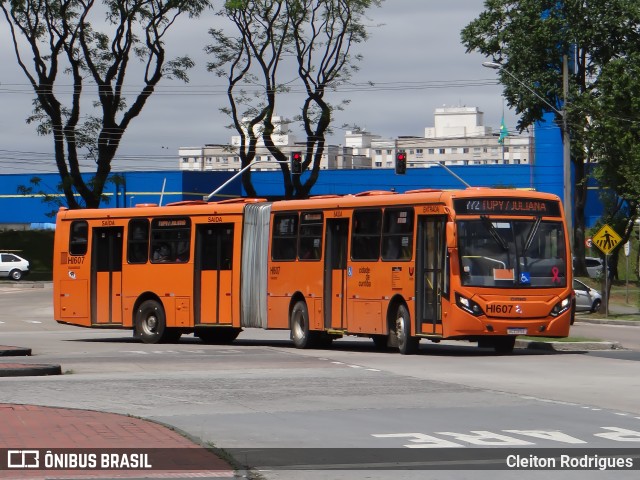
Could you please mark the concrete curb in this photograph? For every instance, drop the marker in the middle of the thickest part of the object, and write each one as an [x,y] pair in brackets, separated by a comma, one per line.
[568,346]
[28,370]
[6,351]
[22,284]
[605,321]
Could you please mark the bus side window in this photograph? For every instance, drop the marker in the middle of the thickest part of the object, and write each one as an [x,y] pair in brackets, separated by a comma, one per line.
[79,238]
[365,238]
[170,240]
[310,246]
[397,232]
[285,237]
[138,241]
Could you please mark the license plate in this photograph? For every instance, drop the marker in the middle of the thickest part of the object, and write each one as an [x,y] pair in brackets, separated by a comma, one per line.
[516,331]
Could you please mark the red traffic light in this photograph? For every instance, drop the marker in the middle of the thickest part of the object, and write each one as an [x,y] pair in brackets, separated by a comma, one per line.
[401,163]
[296,163]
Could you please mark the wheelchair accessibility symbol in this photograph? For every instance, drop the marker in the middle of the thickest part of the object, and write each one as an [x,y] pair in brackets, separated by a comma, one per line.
[525,278]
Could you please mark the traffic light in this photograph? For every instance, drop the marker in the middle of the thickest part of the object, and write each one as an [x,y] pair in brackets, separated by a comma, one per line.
[401,163]
[296,163]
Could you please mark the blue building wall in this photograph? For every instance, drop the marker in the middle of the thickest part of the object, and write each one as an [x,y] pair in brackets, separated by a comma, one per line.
[269,184]
[147,187]
[132,188]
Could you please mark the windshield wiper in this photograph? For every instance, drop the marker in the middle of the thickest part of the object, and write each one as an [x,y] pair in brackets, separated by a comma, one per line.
[532,234]
[494,233]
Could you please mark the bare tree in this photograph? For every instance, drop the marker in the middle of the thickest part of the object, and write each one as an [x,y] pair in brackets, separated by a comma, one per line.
[250,63]
[319,35]
[63,42]
[324,33]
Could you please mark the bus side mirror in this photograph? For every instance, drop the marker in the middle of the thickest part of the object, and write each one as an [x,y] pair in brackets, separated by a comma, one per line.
[452,240]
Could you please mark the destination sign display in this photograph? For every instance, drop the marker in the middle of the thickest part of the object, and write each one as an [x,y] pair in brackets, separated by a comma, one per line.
[506,206]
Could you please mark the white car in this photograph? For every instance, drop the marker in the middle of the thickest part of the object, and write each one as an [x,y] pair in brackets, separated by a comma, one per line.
[587,299]
[13,266]
[595,266]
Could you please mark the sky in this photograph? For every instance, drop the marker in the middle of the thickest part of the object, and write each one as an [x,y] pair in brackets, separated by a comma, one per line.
[413,57]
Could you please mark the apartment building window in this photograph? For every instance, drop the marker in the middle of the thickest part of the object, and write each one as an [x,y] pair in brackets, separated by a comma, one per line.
[441,151]
[454,149]
[477,149]
[236,159]
[389,152]
[431,151]
[506,149]
[419,151]
[379,164]
[465,150]
[185,160]
[209,159]
[378,152]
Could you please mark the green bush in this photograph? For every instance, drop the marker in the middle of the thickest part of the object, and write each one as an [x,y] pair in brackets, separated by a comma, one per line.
[34,245]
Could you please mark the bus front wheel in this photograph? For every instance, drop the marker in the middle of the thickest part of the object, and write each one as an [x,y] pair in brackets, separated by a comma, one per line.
[151,323]
[407,344]
[300,334]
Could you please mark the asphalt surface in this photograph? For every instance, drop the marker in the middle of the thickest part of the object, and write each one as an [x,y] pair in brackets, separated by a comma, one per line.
[28,430]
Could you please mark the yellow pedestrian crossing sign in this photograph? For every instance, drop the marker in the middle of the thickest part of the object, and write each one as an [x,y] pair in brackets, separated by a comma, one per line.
[606,239]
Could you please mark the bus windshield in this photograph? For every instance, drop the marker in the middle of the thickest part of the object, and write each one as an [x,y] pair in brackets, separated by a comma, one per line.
[512,253]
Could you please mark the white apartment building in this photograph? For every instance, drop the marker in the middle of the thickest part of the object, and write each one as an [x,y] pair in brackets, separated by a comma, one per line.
[226,157]
[458,138]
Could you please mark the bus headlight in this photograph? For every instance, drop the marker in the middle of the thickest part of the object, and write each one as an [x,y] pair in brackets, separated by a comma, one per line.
[468,306]
[561,307]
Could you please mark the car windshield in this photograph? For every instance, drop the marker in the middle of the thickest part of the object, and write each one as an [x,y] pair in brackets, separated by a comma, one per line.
[516,253]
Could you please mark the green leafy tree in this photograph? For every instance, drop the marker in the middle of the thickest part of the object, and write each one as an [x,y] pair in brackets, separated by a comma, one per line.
[616,138]
[319,36]
[529,38]
[80,46]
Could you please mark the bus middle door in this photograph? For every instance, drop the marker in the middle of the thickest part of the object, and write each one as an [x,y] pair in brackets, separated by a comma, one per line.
[213,274]
[431,256]
[106,275]
[335,266]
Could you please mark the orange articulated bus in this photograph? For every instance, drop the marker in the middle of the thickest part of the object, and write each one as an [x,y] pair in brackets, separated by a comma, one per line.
[482,265]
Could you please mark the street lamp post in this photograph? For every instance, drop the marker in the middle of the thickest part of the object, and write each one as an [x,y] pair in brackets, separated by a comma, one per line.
[566,146]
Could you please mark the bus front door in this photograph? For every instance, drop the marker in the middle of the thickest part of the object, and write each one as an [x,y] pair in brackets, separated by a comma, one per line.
[431,254]
[106,276]
[213,274]
[335,268]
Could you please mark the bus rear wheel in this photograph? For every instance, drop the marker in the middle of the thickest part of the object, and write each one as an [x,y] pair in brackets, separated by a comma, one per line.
[151,323]
[301,335]
[407,344]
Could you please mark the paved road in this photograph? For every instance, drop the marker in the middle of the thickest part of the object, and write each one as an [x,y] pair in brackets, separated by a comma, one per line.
[261,393]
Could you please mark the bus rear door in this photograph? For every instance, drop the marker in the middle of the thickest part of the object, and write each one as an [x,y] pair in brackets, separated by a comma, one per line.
[106,276]
[431,256]
[335,266]
[213,292]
